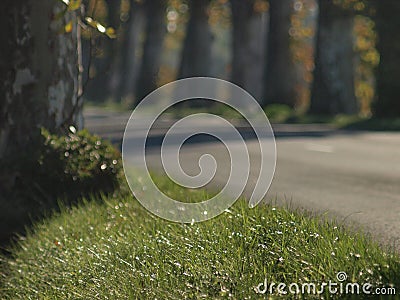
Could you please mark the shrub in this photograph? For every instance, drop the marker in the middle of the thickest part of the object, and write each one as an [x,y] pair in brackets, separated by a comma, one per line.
[79,164]
[278,112]
[56,167]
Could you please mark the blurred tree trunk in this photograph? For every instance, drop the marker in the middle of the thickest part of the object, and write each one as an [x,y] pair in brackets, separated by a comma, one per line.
[248,46]
[128,68]
[242,11]
[112,51]
[388,74]
[39,72]
[196,53]
[280,71]
[115,56]
[152,49]
[102,85]
[333,89]
[114,13]
[258,27]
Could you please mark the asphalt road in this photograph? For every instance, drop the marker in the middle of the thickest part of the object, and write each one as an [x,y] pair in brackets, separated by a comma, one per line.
[351,176]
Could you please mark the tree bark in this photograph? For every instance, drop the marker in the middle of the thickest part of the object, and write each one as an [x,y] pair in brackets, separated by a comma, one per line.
[333,88]
[388,23]
[280,71]
[248,46]
[152,49]
[196,53]
[39,72]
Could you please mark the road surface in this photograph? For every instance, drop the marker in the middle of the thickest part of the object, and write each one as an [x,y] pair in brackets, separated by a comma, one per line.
[351,176]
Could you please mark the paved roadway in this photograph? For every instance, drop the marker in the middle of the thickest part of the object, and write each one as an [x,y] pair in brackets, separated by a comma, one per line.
[351,176]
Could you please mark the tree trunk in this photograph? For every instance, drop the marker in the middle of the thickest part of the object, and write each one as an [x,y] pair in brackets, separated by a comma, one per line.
[388,74]
[102,87]
[152,49]
[112,51]
[248,46]
[39,72]
[114,13]
[280,71]
[333,89]
[128,68]
[196,53]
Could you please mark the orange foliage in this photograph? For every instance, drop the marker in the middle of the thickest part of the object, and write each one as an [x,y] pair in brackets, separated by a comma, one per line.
[302,32]
[365,47]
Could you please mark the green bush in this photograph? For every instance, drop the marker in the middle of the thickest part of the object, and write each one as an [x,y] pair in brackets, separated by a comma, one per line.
[278,112]
[79,164]
[65,167]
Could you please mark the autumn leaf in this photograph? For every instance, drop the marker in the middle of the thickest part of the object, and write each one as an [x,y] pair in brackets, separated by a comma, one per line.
[74,4]
[68,27]
[110,32]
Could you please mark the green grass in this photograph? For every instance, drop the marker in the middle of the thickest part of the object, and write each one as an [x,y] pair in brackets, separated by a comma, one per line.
[112,248]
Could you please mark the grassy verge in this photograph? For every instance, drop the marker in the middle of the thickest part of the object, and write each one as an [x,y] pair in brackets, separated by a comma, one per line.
[276,114]
[349,122]
[114,249]
[283,114]
[375,124]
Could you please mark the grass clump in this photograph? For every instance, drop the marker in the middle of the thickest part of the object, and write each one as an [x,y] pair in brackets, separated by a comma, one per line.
[115,249]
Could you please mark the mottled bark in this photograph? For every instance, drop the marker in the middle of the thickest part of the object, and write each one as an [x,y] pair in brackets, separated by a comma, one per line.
[152,49]
[248,46]
[388,24]
[39,72]
[333,89]
[280,71]
[196,53]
